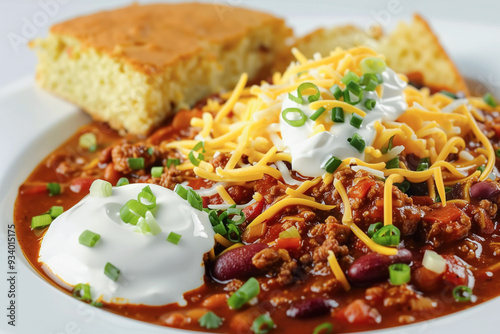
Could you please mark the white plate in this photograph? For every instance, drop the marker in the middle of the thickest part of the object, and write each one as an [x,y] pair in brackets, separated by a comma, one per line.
[34,123]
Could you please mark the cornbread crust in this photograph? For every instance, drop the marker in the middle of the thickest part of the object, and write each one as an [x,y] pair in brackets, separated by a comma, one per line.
[134,66]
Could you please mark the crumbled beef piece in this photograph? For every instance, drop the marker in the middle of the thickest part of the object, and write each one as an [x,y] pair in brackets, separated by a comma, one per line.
[266,258]
[170,178]
[121,153]
[445,224]
[234,285]
[220,160]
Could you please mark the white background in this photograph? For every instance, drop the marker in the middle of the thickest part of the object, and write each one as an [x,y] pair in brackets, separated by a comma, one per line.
[469,30]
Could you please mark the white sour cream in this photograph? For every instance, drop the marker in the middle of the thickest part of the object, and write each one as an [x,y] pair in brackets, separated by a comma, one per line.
[153,270]
[310,153]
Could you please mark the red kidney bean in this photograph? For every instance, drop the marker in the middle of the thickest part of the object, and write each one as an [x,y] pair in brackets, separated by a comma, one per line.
[312,307]
[237,263]
[484,189]
[373,267]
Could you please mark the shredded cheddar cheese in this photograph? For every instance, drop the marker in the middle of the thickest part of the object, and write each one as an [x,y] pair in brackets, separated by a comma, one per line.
[337,271]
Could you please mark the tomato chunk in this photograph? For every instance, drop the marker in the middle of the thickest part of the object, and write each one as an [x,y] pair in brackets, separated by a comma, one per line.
[360,189]
[33,189]
[289,243]
[360,313]
[81,184]
[253,211]
[444,214]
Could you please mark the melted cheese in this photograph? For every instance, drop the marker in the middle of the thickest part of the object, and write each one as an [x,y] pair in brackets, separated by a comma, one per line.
[337,271]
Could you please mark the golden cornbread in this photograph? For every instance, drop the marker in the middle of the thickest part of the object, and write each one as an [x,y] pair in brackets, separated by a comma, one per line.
[132,67]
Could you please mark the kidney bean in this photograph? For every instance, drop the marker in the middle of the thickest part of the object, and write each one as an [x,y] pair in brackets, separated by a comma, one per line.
[373,267]
[484,189]
[312,307]
[237,263]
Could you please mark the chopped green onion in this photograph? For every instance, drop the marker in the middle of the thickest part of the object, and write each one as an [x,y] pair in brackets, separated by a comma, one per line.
[403,186]
[367,77]
[389,146]
[151,150]
[357,142]
[220,228]
[157,171]
[132,211]
[324,328]
[88,141]
[317,113]
[490,100]
[294,122]
[194,199]
[393,163]
[447,190]
[372,65]
[135,163]
[100,188]
[388,235]
[210,321]
[423,165]
[354,88]
[370,104]
[154,227]
[175,162]
[374,228]
[195,160]
[147,195]
[95,303]
[305,86]
[338,115]
[290,232]
[399,273]
[55,211]
[199,145]
[350,77]
[295,98]
[481,168]
[348,97]
[370,86]
[181,191]
[462,293]
[497,152]
[262,324]
[174,238]
[449,94]
[41,221]
[332,164]
[143,226]
[111,271]
[122,181]
[233,233]
[233,211]
[248,291]
[54,188]
[88,238]
[82,292]
[356,120]
[336,91]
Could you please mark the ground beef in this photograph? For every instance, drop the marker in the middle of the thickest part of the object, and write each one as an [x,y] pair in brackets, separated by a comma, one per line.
[170,178]
[121,153]
[266,258]
[445,224]
[220,160]
[278,263]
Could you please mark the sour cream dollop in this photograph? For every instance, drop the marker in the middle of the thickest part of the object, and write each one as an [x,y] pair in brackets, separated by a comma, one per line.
[153,270]
[310,153]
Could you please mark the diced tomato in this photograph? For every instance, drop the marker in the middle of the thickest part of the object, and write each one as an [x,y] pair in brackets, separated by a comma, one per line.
[360,189]
[33,189]
[111,175]
[81,184]
[253,233]
[497,130]
[206,201]
[288,243]
[252,211]
[456,271]
[445,214]
[359,312]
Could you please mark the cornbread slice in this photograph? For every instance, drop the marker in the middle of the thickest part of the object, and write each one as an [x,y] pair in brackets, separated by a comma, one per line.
[133,67]
[415,50]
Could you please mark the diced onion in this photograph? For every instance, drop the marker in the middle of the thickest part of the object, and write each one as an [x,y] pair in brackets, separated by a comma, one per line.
[434,262]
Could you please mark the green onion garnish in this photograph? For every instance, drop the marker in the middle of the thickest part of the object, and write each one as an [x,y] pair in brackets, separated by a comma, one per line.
[324,328]
[302,88]
[338,115]
[156,171]
[403,186]
[399,273]
[122,181]
[148,224]
[336,91]
[332,164]
[95,303]
[449,94]
[372,65]
[389,146]
[481,168]
[490,100]
[295,98]
[196,160]
[100,188]
[194,199]
[317,113]
[175,162]
[54,188]
[88,238]
[55,211]
[350,77]
[423,165]
[210,321]
[249,290]
[233,233]
[181,191]
[462,293]
[356,120]
[147,198]
[262,324]
[111,271]
[393,163]
[388,235]
[497,152]
[220,228]
[294,122]
[82,292]
[174,238]
[348,97]
[135,163]
[374,228]
[151,150]
[88,141]
[370,86]
[357,142]
[41,221]
[370,104]
[132,211]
